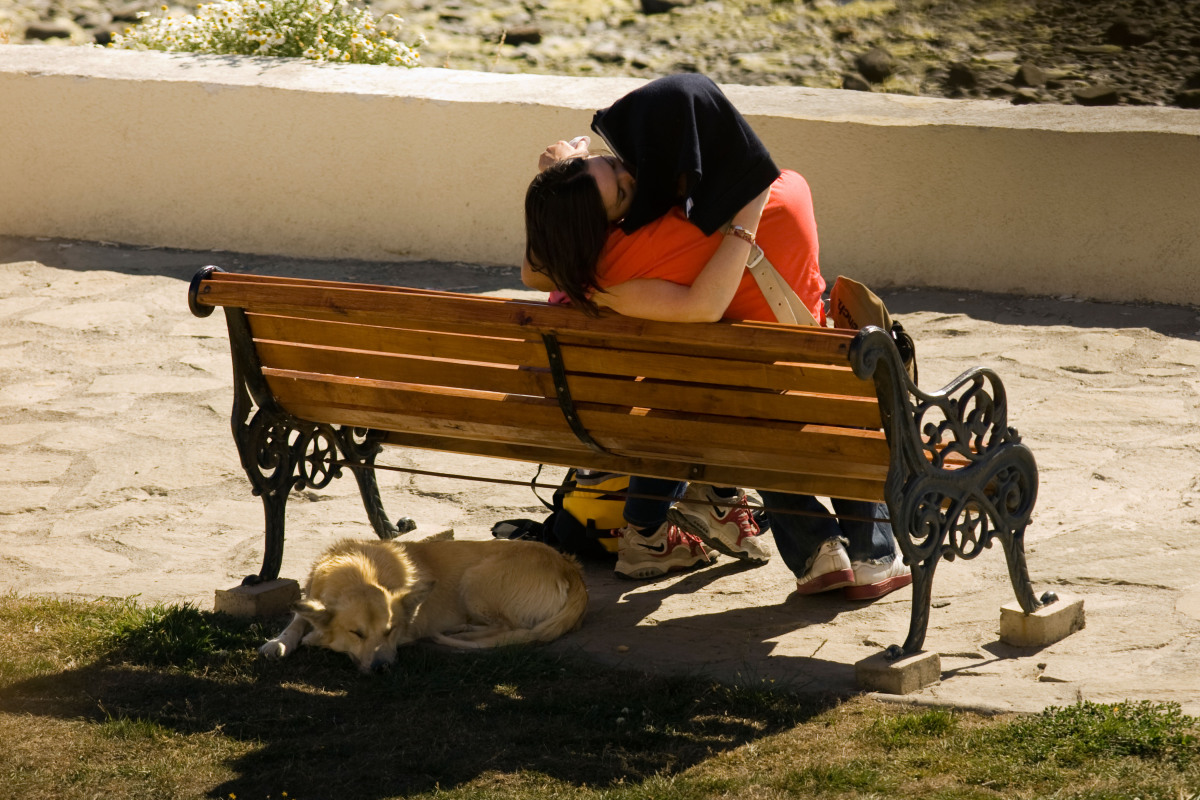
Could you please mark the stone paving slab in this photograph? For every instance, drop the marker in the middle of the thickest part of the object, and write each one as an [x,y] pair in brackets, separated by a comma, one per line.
[118,477]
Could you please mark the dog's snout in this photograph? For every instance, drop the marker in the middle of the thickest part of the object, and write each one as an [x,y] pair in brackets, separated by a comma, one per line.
[380,665]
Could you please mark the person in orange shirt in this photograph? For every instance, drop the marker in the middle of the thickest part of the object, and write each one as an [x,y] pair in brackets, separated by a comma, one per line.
[669,269]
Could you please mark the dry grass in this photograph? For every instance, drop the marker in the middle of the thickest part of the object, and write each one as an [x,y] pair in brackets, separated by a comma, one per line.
[115,700]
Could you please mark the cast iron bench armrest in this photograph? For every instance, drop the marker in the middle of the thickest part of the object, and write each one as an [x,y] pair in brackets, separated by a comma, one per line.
[959,474]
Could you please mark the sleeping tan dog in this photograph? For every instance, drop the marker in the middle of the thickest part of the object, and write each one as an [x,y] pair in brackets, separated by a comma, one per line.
[366,598]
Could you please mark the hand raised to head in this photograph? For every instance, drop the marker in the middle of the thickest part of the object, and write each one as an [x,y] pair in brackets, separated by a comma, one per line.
[576,148]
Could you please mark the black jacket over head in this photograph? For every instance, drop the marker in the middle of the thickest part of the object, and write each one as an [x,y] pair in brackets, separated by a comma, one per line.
[683,125]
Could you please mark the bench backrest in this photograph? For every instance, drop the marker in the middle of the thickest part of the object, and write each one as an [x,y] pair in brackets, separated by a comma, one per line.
[761,405]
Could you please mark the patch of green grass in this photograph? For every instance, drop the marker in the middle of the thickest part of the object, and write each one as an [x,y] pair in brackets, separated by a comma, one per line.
[128,729]
[825,778]
[911,728]
[1074,735]
[42,636]
[113,699]
[179,636]
[46,635]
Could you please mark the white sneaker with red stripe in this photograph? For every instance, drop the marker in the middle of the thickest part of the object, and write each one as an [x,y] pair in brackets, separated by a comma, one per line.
[829,568]
[668,549]
[874,579]
[725,524]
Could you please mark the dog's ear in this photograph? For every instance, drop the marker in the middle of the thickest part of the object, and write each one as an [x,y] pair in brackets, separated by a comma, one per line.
[416,595]
[313,612]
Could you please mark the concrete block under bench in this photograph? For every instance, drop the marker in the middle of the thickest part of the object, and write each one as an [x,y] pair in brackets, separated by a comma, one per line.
[267,599]
[904,675]
[1042,627]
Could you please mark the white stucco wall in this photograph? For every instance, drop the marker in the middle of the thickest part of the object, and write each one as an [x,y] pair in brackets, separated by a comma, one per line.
[294,158]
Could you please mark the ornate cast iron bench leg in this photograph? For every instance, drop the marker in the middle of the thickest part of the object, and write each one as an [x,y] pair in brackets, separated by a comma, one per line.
[280,453]
[360,447]
[959,475]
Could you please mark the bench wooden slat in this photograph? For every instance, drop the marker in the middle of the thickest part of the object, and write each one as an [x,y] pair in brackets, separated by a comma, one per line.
[670,396]
[519,419]
[369,305]
[284,280]
[375,338]
[864,452]
[738,345]
[768,407]
[855,489]
[422,370]
[499,438]
[733,372]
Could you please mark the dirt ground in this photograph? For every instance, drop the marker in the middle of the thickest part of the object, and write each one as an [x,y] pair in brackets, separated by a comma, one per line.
[1096,52]
[119,477]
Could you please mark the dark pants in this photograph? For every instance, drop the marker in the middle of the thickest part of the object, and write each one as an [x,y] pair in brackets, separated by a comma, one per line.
[644,513]
[799,537]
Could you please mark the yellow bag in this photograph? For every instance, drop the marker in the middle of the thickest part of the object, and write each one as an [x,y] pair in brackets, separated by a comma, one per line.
[596,515]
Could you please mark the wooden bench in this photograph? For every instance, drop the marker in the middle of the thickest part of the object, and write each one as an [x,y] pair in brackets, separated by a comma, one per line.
[322,368]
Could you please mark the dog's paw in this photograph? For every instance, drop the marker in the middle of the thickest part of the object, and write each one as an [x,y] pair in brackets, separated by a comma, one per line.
[275,648]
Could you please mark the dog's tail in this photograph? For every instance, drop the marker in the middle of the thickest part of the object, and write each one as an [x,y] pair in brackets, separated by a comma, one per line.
[569,586]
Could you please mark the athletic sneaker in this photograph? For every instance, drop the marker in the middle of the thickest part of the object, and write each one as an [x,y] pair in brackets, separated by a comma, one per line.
[725,524]
[668,549]
[828,569]
[873,580]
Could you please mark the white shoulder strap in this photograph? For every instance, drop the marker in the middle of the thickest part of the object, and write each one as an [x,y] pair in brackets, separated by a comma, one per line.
[780,296]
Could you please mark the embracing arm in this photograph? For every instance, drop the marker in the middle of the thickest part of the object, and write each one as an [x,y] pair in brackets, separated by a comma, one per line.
[709,295]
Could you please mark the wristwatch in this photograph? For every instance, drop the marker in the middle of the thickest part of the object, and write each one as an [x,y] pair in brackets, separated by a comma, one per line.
[756,253]
[741,233]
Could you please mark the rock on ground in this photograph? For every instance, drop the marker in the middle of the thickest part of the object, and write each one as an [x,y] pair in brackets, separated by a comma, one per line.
[1112,52]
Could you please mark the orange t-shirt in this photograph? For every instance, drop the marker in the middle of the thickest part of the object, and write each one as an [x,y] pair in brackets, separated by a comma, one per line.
[673,249]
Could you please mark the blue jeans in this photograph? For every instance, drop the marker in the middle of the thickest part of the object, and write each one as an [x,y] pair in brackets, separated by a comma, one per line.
[796,537]
[644,513]
[799,537]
